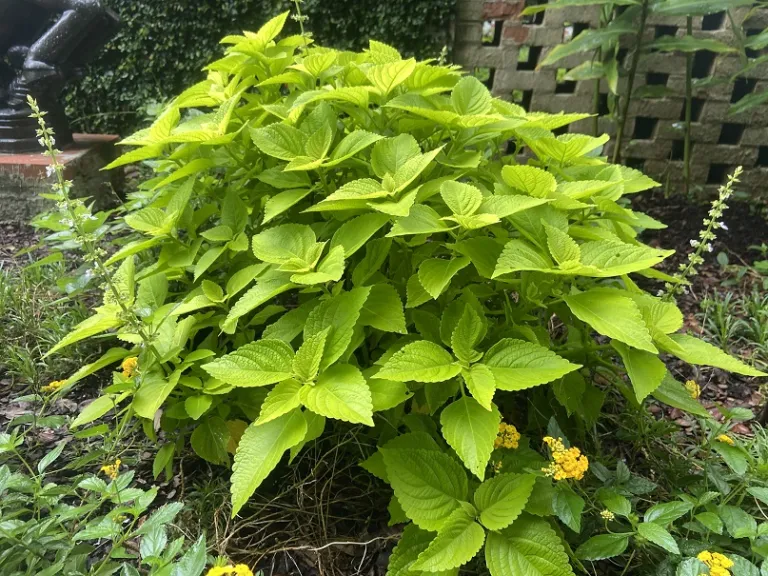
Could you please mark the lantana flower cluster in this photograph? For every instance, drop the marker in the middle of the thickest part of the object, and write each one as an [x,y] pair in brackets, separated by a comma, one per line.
[566,462]
[717,563]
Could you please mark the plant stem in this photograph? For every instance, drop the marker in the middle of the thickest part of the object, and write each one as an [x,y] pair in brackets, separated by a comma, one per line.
[688,102]
[630,82]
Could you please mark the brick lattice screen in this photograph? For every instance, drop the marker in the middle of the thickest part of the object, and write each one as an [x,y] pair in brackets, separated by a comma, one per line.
[654,131]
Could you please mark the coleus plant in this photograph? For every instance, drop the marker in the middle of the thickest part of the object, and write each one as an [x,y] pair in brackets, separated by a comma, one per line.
[374,240]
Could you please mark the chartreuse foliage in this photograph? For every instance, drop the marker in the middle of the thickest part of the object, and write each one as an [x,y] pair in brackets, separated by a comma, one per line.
[339,236]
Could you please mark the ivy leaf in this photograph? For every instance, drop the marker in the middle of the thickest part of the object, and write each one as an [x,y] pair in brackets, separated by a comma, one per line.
[435,274]
[456,543]
[659,536]
[255,364]
[695,351]
[340,393]
[501,499]
[645,370]
[613,315]
[517,364]
[260,450]
[281,399]
[471,431]
[421,361]
[530,546]
[428,484]
[480,383]
[384,310]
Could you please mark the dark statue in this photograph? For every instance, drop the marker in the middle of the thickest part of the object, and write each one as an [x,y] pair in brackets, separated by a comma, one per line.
[44,44]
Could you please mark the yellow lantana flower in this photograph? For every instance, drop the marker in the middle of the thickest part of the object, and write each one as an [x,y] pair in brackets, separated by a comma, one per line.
[129,366]
[508,437]
[237,570]
[725,439]
[567,462]
[693,389]
[53,386]
[112,470]
[607,515]
[717,563]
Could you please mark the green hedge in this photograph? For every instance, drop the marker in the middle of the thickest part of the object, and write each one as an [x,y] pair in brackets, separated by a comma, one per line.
[163,45]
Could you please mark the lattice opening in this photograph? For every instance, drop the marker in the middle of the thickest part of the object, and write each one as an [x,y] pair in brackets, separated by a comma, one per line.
[528,57]
[656,79]
[523,98]
[645,127]
[751,52]
[621,56]
[492,32]
[697,105]
[534,19]
[663,30]
[602,104]
[485,75]
[560,130]
[762,156]
[731,134]
[572,30]
[713,21]
[678,150]
[717,173]
[562,85]
[742,87]
[703,62]
[636,163]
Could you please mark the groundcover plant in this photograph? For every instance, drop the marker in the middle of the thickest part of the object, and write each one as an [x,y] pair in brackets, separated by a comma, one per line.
[356,237]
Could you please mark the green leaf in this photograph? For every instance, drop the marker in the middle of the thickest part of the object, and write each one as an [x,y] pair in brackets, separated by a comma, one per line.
[435,274]
[209,440]
[306,363]
[340,314]
[733,456]
[386,77]
[421,220]
[606,258]
[483,253]
[696,7]
[260,450]
[695,351]
[352,144]
[688,44]
[330,269]
[471,431]
[384,310]
[390,155]
[421,361]
[412,543]
[470,97]
[192,563]
[667,512]
[659,536]
[517,364]
[255,364]
[196,406]
[501,499]
[386,394]
[645,370]
[428,484]
[530,180]
[85,329]
[282,202]
[568,506]
[468,333]
[283,398]
[462,199]
[517,256]
[603,546]
[263,292]
[674,394]
[340,393]
[279,141]
[283,243]
[354,234]
[456,543]
[154,390]
[589,40]
[480,383]
[530,547]
[562,247]
[739,523]
[711,521]
[98,408]
[613,315]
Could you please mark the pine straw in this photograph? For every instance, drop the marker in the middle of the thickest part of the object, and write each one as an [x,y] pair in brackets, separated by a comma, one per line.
[322,515]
